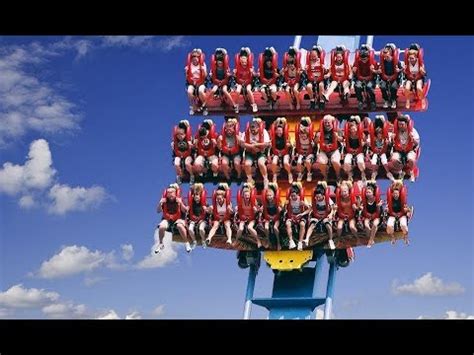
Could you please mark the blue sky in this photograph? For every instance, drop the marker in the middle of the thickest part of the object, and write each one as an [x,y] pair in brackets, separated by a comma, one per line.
[85,128]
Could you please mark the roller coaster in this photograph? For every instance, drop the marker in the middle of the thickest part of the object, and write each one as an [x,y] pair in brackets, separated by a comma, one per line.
[297,271]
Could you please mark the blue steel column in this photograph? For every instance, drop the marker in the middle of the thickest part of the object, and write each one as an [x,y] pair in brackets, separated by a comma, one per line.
[330,290]
[317,275]
[253,269]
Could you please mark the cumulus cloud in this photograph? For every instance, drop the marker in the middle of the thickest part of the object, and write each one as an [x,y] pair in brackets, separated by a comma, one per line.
[133,315]
[65,311]
[27,101]
[51,305]
[169,43]
[37,172]
[73,260]
[127,251]
[158,311]
[26,202]
[19,297]
[428,285]
[167,255]
[4,313]
[126,41]
[65,199]
[32,183]
[110,314]
[450,315]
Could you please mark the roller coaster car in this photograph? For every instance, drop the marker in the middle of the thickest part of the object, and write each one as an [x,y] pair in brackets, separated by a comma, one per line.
[334,106]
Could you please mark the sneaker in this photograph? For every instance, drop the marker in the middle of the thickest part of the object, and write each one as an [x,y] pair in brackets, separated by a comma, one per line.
[332,246]
[292,244]
[394,104]
[191,110]
[215,174]
[254,108]
[300,246]
[204,244]
[360,106]
[412,177]
[236,108]
[178,180]
[385,104]
[159,248]
[229,241]
[309,177]
[306,241]
[188,247]
[300,177]
[373,106]
[204,111]
[191,179]
[193,245]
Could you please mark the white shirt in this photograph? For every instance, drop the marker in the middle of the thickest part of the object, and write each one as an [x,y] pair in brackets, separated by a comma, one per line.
[255,138]
[221,210]
[196,71]
[414,69]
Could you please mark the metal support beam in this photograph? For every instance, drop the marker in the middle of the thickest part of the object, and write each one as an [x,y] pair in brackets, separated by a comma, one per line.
[330,289]
[253,270]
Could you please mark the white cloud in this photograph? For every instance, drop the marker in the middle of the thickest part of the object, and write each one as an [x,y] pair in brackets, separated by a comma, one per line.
[428,285]
[169,43]
[167,255]
[31,181]
[4,313]
[456,315]
[19,297]
[158,311]
[66,199]
[126,41]
[127,251]
[26,202]
[65,310]
[90,281]
[133,315]
[36,173]
[110,314]
[73,260]
[51,305]
[81,46]
[450,315]
[27,102]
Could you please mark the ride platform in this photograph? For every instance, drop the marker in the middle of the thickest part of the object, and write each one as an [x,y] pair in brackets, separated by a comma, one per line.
[216,106]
